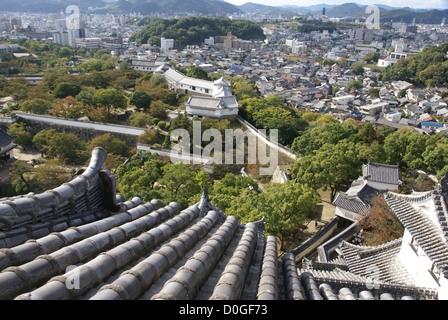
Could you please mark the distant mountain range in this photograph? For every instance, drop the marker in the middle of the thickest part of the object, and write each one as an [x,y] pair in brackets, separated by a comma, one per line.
[145,7]
[350,11]
[46,6]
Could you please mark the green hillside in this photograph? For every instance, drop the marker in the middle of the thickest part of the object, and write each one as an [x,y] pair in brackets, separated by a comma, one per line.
[427,68]
[205,7]
[52,6]
[193,30]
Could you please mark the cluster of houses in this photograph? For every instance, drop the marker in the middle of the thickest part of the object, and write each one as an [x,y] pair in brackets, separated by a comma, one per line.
[311,71]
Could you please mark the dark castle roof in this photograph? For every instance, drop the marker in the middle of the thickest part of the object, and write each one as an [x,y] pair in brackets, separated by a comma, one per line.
[5,138]
[383,173]
[82,241]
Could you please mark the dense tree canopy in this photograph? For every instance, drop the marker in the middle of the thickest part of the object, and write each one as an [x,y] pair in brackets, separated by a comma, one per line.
[427,68]
[65,89]
[333,167]
[331,154]
[193,30]
[110,98]
[269,113]
[140,99]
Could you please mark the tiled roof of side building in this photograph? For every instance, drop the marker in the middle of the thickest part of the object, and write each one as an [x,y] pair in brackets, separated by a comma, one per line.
[382,173]
[357,199]
[5,138]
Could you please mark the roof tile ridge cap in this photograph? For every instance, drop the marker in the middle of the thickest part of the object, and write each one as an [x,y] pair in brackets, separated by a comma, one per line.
[259,225]
[96,162]
[346,244]
[387,245]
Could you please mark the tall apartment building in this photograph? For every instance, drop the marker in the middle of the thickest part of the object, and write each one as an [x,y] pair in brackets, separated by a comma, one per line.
[232,42]
[67,34]
[166,45]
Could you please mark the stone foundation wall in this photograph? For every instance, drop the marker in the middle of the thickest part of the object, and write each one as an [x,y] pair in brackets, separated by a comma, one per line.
[84,134]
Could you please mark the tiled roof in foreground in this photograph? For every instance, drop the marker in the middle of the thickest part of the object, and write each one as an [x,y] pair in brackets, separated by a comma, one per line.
[111,249]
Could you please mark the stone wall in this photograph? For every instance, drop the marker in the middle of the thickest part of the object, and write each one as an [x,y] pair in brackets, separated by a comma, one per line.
[85,134]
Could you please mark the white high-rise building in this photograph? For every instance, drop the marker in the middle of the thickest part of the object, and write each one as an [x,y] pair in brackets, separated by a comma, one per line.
[67,31]
[166,45]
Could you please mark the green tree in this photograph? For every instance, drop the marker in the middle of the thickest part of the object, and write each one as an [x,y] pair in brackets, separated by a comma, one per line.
[179,183]
[110,144]
[8,56]
[229,189]
[371,57]
[37,105]
[158,110]
[138,177]
[333,167]
[374,92]
[23,137]
[357,69]
[372,152]
[124,66]
[263,116]
[288,130]
[244,89]
[290,205]
[285,207]
[436,159]
[67,148]
[141,100]
[20,177]
[65,89]
[197,72]
[86,95]
[182,122]
[311,116]
[43,138]
[148,137]
[354,85]
[102,54]
[140,119]
[110,98]
[318,134]
[367,133]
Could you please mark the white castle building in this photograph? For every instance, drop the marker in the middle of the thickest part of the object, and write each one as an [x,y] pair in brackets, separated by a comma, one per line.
[207,98]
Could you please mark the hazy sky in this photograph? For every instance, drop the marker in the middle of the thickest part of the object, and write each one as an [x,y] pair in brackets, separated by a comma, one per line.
[439,4]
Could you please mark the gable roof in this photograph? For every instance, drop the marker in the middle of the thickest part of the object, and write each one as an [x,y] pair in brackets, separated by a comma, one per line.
[383,173]
[357,198]
[430,236]
[5,138]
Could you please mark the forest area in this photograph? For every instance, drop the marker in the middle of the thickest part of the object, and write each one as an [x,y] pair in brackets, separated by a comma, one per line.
[193,30]
[425,69]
